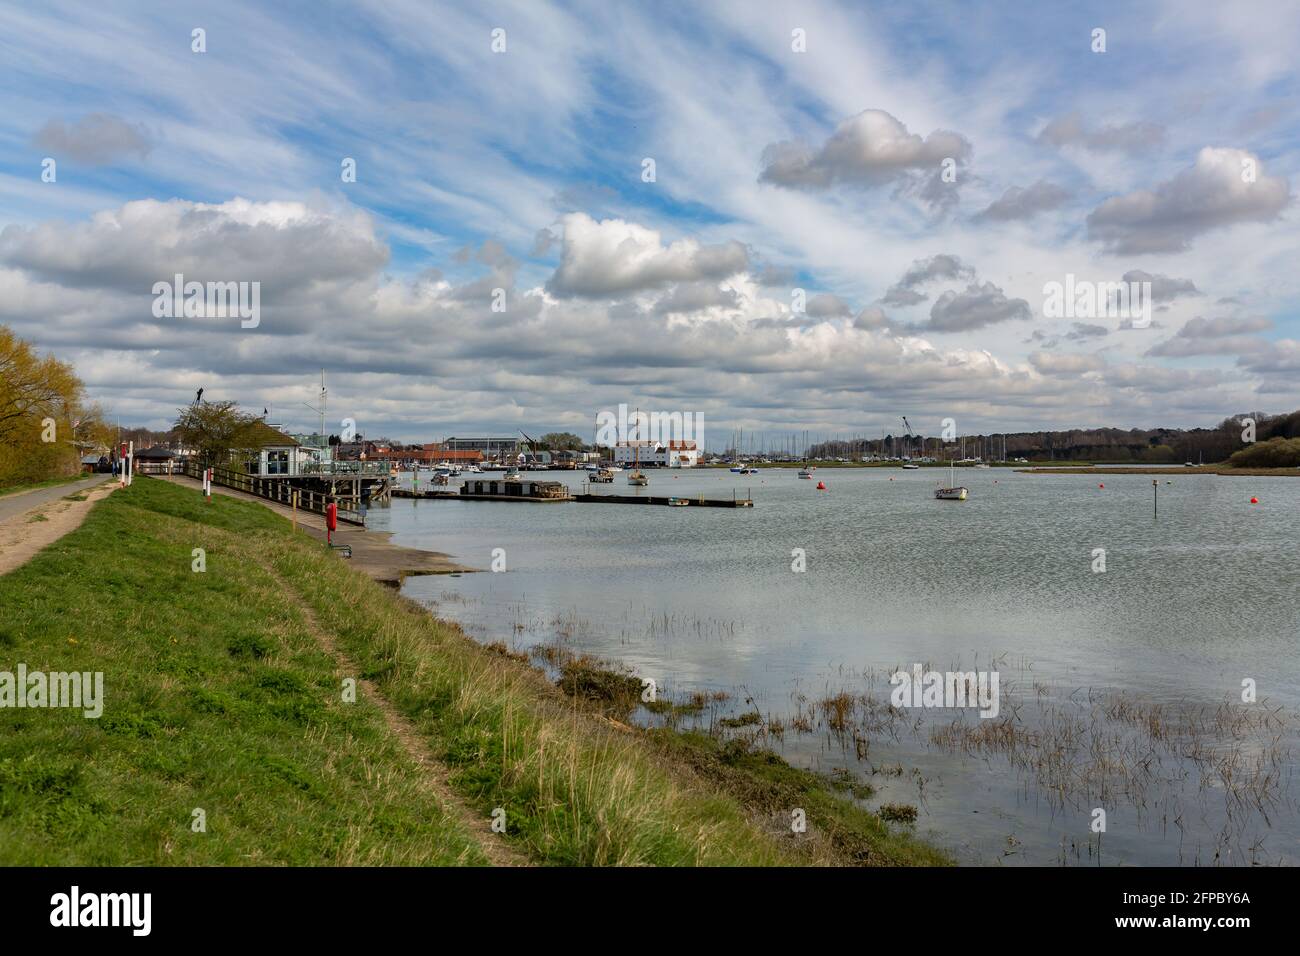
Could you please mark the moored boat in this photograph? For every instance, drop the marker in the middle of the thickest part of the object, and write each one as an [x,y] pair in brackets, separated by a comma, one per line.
[954,493]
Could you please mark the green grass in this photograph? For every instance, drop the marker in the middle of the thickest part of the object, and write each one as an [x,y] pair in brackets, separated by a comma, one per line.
[215,698]
[6,490]
[219,696]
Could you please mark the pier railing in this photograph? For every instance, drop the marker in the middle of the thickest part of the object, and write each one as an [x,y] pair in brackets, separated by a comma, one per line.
[274,489]
[349,468]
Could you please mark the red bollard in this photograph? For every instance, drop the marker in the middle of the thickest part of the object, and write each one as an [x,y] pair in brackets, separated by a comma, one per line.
[331,521]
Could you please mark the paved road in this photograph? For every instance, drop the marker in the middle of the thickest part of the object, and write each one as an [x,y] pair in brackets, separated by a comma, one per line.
[25,501]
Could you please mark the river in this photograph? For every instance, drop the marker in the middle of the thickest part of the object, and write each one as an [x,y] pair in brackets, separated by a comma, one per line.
[1121,689]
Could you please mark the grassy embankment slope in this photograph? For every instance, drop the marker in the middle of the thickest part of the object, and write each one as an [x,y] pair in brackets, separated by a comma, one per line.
[223,692]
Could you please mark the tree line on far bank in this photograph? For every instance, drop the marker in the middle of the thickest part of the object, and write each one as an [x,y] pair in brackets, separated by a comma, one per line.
[1223,442]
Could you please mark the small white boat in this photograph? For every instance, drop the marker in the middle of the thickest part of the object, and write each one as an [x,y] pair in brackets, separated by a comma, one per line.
[604,476]
[513,475]
[475,470]
[911,467]
[737,469]
[678,502]
[805,472]
[637,478]
[955,493]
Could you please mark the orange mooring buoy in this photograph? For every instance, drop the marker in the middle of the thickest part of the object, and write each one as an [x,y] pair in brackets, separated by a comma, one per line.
[1101,486]
[821,486]
[1254,501]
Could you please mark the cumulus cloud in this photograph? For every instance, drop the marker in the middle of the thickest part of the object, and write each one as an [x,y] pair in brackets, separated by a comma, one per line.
[1135,137]
[1219,336]
[689,297]
[826,306]
[872,317]
[1212,194]
[975,307]
[1082,331]
[1179,347]
[95,139]
[1018,203]
[1200,328]
[426,356]
[1163,288]
[1059,363]
[923,271]
[1280,358]
[615,257]
[285,245]
[870,149]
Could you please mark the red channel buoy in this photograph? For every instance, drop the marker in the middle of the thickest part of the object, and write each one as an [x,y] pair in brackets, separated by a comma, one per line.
[1101,486]
[821,486]
[1254,501]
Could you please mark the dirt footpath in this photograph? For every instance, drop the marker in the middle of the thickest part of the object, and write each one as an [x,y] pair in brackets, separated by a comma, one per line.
[26,530]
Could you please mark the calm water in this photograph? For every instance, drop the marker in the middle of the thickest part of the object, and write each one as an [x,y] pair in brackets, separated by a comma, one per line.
[1189,605]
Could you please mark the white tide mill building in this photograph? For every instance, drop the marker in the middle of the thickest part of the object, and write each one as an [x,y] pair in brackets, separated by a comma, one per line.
[653,454]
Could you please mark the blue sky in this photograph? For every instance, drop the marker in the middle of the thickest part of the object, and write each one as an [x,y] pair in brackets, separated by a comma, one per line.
[776,171]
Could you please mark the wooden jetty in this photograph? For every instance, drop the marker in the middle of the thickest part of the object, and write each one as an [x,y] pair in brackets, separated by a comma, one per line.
[533,491]
[672,500]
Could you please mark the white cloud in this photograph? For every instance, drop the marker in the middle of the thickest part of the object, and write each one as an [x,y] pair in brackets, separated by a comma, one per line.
[870,149]
[615,257]
[1215,192]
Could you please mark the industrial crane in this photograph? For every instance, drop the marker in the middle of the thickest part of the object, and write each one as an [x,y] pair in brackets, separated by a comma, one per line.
[908,427]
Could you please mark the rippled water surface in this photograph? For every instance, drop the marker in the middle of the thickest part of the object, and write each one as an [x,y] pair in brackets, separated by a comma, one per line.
[1113,684]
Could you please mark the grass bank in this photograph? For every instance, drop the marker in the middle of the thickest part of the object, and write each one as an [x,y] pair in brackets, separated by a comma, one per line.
[223,694]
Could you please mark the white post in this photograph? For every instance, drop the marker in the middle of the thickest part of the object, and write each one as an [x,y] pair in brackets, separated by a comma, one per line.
[130,462]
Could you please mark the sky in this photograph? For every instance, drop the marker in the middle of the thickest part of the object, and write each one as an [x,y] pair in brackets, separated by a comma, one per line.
[779,217]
